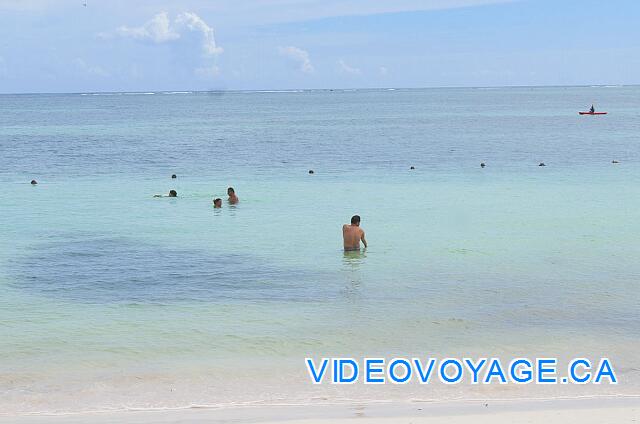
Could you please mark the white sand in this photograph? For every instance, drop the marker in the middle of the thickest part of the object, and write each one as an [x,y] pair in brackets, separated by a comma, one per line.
[583,411]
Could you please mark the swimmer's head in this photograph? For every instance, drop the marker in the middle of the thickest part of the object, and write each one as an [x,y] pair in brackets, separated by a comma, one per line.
[217,203]
[173,193]
[355,220]
[34,182]
[230,191]
[174,176]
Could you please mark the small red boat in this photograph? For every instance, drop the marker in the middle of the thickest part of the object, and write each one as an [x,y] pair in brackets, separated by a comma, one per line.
[592,113]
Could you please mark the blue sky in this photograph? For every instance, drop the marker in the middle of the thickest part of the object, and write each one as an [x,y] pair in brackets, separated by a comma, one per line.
[146,45]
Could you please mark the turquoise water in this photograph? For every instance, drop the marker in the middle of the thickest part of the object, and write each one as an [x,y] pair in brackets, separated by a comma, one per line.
[114,299]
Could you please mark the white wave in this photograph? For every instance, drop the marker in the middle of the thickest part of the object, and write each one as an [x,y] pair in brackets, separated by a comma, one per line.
[276,91]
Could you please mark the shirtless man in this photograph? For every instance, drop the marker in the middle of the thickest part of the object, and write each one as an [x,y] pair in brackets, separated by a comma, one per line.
[172,193]
[352,234]
[233,199]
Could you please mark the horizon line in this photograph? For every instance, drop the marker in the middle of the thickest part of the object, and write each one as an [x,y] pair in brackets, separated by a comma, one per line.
[223,90]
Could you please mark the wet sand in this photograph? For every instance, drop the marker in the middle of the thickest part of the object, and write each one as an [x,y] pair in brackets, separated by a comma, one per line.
[584,411]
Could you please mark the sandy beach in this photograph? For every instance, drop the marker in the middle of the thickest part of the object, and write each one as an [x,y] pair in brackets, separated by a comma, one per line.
[584,411]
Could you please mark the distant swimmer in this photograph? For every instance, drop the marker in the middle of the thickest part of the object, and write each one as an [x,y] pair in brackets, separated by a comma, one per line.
[311,171]
[172,193]
[34,182]
[174,176]
[482,165]
[217,203]
[541,164]
[233,199]
[352,234]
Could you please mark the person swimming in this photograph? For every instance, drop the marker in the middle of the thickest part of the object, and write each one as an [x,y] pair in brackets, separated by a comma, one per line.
[233,199]
[352,234]
[217,203]
[172,193]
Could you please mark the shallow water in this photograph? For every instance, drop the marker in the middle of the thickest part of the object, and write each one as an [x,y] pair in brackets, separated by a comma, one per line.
[113,298]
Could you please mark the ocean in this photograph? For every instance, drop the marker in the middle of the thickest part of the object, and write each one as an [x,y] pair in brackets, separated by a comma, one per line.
[113,299]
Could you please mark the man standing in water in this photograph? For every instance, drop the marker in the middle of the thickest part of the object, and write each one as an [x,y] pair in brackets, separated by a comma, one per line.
[233,199]
[352,234]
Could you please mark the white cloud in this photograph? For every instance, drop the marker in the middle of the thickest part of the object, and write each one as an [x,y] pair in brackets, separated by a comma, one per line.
[89,69]
[158,30]
[299,56]
[161,29]
[345,68]
[194,23]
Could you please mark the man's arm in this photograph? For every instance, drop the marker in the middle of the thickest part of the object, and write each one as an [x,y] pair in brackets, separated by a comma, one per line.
[363,240]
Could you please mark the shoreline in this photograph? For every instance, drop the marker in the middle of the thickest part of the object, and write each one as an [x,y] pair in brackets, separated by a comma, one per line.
[550,411]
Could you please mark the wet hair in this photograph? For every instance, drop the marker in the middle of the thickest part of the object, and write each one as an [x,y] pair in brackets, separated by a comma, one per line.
[173,193]
[34,182]
[311,171]
[174,176]
[230,189]
[217,200]
[355,219]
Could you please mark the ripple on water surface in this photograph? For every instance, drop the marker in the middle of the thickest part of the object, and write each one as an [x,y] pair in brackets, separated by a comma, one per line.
[120,270]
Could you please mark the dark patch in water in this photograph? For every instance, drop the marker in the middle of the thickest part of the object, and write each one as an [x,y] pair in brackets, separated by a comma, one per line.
[115,270]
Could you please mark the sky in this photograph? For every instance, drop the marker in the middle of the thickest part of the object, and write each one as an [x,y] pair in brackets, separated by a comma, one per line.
[152,45]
